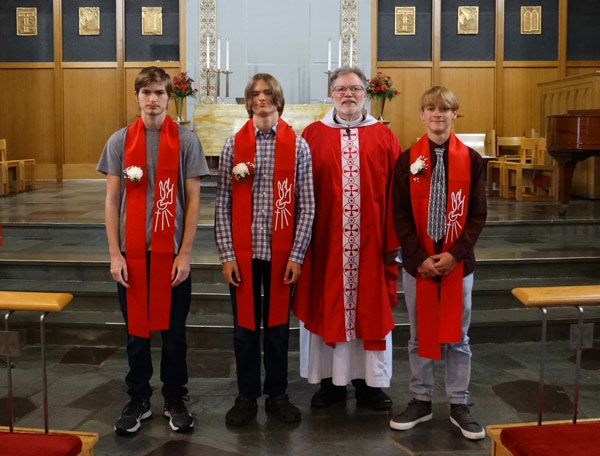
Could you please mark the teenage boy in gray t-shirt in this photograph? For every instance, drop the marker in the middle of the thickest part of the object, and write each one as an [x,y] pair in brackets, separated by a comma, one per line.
[153,169]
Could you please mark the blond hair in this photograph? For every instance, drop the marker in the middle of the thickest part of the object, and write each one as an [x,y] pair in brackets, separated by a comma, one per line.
[439,95]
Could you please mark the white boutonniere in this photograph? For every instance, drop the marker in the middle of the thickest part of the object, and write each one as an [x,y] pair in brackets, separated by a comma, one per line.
[133,173]
[242,170]
[418,167]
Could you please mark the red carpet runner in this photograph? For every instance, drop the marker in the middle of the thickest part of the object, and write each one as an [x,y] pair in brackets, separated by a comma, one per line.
[553,440]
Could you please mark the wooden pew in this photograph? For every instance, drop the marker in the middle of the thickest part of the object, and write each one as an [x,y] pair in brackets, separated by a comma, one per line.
[13,301]
[544,298]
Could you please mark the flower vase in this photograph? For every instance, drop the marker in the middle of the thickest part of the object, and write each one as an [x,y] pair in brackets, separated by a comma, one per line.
[179,109]
[380,103]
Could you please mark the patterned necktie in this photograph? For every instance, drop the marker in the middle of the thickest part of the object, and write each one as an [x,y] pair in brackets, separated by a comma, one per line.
[436,222]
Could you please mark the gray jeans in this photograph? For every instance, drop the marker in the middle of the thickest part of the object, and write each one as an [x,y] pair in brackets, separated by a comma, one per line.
[456,355]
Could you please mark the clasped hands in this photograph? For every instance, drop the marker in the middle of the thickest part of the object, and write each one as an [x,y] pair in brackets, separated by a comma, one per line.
[437,265]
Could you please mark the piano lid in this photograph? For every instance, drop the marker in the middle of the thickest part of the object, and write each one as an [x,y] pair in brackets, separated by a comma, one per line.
[577,130]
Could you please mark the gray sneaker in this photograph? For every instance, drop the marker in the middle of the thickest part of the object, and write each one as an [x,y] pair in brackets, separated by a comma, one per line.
[415,412]
[460,416]
[134,412]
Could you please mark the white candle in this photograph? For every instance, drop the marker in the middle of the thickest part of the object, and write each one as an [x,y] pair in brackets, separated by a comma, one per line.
[227,54]
[218,53]
[340,52]
[350,51]
[207,52]
[329,56]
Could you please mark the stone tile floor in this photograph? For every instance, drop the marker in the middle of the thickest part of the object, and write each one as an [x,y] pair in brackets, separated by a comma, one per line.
[86,389]
[86,392]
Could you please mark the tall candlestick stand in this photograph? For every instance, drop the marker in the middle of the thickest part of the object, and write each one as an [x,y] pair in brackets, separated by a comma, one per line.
[327,97]
[226,73]
[218,84]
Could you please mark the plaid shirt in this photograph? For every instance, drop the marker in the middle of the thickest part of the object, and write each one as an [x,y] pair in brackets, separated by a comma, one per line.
[262,199]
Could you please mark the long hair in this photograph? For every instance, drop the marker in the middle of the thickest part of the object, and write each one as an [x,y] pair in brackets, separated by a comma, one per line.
[274,87]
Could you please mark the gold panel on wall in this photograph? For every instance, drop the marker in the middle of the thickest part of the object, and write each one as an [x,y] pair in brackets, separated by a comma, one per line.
[27,22]
[89,20]
[531,20]
[89,120]
[152,20]
[405,20]
[468,20]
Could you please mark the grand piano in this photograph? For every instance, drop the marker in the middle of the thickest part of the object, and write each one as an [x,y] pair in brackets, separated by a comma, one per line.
[571,138]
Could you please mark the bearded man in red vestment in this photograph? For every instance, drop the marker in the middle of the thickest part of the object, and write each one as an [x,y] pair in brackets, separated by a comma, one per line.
[345,295]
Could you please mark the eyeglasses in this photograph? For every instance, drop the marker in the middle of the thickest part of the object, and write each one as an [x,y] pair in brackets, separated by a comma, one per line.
[340,90]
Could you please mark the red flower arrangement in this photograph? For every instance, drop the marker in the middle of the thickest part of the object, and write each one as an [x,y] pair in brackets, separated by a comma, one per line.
[182,86]
[381,87]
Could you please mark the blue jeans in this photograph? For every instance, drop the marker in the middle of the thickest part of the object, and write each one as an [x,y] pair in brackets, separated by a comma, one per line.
[173,366]
[457,355]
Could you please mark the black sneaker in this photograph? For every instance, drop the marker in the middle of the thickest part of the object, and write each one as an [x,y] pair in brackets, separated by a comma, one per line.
[132,415]
[180,419]
[415,412]
[460,416]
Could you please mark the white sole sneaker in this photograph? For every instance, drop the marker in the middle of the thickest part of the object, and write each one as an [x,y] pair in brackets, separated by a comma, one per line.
[175,428]
[132,430]
[467,434]
[406,426]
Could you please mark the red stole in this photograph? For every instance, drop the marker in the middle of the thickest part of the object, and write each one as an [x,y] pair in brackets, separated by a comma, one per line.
[439,308]
[282,231]
[148,308]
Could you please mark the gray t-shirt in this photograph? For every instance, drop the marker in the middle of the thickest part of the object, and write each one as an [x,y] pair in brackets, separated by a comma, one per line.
[191,164]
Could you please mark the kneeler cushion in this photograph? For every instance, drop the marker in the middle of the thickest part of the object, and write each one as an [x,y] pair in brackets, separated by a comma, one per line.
[553,439]
[29,444]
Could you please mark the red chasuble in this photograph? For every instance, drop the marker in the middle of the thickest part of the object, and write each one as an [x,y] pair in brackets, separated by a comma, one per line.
[439,308]
[148,308]
[282,233]
[320,299]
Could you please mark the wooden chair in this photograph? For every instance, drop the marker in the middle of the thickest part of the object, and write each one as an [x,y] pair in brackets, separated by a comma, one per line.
[534,177]
[496,167]
[22,170]
[13,170]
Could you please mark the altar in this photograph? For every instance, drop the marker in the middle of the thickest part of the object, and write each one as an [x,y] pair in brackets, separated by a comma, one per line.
[214,123]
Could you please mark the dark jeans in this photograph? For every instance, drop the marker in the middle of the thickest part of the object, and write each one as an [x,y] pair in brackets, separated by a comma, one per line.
[246,343]
[173,366]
